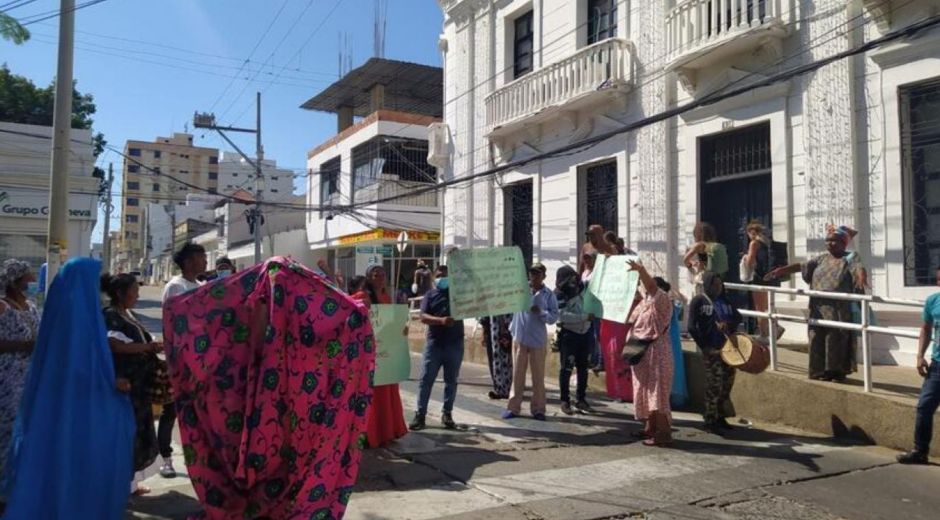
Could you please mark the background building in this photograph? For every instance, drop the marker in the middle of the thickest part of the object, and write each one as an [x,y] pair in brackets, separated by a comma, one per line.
[25,163]
[384,109]
[853,143]
[236,174]
[143,183]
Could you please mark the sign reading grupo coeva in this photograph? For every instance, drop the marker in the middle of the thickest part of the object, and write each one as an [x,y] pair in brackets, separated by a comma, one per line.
[35,204]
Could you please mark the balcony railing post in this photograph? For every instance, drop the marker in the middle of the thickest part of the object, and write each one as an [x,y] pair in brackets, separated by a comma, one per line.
[772,329]
[866,346]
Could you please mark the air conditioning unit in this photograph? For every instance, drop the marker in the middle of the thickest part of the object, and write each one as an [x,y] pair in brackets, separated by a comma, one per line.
[439,145]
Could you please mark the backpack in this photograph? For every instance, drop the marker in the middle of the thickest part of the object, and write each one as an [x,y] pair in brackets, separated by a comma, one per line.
[717,258]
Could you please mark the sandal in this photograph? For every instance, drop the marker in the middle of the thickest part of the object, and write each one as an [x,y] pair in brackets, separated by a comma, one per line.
[141,491]
[657,443]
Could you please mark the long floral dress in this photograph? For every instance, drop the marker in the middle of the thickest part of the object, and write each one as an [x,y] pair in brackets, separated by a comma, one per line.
[831,351]
[15,325]
[652,376]
[271,370]
[498,342]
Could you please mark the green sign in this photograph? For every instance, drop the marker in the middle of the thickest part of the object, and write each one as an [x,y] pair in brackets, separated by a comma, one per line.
[392,361]
[612,288]
[487,282]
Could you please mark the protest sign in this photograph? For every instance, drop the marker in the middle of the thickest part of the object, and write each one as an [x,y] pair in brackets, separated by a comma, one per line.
[392,361]
[487,282]
[613,286]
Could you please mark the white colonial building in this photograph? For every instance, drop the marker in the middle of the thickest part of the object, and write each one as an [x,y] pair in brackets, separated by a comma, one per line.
[856,142]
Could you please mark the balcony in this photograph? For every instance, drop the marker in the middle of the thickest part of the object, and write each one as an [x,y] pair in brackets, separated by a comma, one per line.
[582,78]
[700,33]
[391,186]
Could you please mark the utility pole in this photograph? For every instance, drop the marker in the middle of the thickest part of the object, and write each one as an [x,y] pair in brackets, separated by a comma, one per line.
[259,182]
[58,235]
[108,207]
[207,120]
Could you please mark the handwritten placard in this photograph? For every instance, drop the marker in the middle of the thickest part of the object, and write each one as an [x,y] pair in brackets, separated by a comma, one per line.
[487,282]
[392,362]
[612,289]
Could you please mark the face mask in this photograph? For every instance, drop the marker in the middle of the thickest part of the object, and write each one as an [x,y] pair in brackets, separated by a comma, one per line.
[32,288]
[225,273]
[442,283]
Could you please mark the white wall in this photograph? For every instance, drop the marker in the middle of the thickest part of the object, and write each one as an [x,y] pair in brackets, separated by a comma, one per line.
[322,230]
[236,174]
[834,134]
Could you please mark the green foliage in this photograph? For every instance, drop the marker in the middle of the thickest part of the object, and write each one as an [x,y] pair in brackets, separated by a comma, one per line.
[11,30]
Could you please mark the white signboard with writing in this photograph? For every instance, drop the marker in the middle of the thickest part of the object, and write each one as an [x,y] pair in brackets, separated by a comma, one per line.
[35,204]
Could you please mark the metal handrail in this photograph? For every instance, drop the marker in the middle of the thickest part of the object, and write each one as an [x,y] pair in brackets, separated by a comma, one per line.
[865,327]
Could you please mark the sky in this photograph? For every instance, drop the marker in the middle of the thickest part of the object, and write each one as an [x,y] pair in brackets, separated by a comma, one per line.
[151,63]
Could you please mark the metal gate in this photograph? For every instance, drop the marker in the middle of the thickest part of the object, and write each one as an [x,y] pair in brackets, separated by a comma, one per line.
[518,217]
[598,189]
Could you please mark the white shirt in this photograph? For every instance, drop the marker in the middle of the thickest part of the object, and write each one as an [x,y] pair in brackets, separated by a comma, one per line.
[177,286]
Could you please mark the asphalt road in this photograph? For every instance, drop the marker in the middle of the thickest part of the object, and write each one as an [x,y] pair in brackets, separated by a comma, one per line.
[588,467]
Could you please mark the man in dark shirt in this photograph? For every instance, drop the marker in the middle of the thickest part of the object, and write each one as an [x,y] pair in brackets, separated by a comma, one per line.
[444,347]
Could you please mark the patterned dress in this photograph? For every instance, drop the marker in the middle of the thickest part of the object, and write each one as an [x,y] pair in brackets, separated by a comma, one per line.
[272,371]
[498,342]
[831,351]
[652,376]
[15,325]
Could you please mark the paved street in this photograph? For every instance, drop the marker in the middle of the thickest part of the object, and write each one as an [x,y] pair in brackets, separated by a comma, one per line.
[588,467]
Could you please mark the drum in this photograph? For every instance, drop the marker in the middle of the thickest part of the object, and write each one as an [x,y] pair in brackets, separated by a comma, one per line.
[746,353]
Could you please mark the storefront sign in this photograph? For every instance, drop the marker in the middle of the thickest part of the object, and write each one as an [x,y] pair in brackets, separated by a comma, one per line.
[35,204]
[487,282]
[389,234]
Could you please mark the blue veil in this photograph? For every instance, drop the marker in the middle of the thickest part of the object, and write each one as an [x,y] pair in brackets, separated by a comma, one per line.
[71,455]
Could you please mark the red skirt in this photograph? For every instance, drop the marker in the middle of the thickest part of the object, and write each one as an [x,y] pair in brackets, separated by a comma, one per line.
[618,373]
[385,420]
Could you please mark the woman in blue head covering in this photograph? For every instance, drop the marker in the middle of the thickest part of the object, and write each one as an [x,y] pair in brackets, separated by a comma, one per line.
[73,441]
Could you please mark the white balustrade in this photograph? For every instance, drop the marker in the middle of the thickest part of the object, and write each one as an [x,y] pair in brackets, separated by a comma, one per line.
[585,71]
[697,23]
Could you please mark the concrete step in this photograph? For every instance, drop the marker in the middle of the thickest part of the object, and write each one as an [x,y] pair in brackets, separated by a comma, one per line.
[787,397]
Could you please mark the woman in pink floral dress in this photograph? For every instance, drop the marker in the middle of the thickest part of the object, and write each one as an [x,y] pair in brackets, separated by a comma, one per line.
[652,376]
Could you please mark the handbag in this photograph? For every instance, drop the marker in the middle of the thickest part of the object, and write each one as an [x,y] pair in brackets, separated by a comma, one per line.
[161,392]
[746,272]
[635,348]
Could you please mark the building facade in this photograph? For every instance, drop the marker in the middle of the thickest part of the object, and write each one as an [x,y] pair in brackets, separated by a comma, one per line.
[25,162]
[143,184]
[236,174]
[853,142]
[382,154]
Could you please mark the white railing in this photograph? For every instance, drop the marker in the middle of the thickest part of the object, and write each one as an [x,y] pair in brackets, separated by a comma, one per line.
[865,327]
[696,23]
[592,68]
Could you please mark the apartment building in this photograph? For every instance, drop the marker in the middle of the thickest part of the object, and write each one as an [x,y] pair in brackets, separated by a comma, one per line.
[853,142]
[144,183]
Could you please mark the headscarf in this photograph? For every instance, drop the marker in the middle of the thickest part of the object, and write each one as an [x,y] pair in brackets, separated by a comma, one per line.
[272,370]
[843,233]
[11,271]
[74,434]
[567,282]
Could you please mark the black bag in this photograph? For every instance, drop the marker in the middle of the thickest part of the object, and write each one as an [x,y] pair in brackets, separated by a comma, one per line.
[635,348]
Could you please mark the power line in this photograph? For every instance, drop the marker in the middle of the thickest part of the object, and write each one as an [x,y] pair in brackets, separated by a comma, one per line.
[6,8]
[250,54]
[55,14]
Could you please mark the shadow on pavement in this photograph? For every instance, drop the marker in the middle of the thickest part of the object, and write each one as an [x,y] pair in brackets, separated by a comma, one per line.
[172,505]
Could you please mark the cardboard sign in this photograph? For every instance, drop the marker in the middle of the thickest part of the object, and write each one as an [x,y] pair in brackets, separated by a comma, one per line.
[487,282]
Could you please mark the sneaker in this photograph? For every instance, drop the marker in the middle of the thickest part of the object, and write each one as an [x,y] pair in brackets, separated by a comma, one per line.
[508,415]
[417,423]
[724,424]
[583,406]
[167,470]
[447,421]
[566,409]
[714,429]
[913,457]
[539,416]
[780,332]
